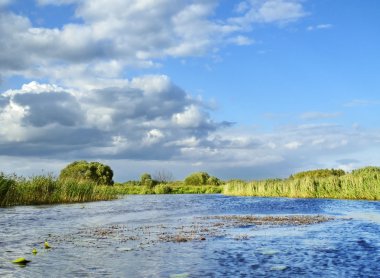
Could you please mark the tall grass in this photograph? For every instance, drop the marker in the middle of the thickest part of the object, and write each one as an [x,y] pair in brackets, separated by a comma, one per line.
[166,188]
[349,186]
[48,190]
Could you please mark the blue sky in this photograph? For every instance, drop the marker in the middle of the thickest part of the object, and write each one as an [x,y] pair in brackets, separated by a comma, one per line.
[241,89]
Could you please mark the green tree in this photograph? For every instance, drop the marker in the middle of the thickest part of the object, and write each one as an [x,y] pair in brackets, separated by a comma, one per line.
[201,178]
[91,171]
[146,180]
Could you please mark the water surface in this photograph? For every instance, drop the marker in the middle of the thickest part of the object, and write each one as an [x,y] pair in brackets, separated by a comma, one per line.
[133,237]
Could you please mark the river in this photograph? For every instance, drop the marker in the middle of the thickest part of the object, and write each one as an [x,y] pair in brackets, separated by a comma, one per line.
[192,236]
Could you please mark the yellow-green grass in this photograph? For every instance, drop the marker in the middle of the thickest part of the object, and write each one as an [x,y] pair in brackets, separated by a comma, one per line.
[48,190]
[166,188]
[349,186]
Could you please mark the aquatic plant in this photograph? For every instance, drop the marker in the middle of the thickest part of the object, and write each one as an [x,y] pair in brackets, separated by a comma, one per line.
[46,189]
[21,261]
[356,185]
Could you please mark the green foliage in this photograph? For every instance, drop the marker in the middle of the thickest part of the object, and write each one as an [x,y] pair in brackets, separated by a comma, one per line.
[369,171]
[89,171]
[166,188]
[319,173]
[39,190]
[162,189]
[357,185]
[6,186]
[201,178]
[146,180]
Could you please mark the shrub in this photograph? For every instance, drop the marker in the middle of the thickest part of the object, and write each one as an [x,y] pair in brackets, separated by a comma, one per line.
[201,178]
[319,173]
[162,189]
[89,171]
[147,181]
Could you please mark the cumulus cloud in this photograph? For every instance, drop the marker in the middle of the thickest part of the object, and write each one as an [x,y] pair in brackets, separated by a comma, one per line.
[268,11]
[114,35]
[145,118]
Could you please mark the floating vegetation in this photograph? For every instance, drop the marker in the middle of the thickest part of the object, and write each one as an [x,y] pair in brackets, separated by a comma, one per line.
[132,238]
[21,261]
[46,245]
[34,251]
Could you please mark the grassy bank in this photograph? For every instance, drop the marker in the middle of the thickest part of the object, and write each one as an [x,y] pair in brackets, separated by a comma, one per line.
[48,190]
[40,190]
[356,185]
[167,188]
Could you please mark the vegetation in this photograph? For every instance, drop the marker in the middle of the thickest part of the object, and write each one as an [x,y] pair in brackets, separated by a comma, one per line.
[83,181]
[39,190]
[177,187]
[360,184]
[201,178]
[320,173]
[82,170]
[147,181]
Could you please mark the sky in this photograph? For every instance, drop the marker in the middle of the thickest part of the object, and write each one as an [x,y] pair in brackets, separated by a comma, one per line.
[240,89]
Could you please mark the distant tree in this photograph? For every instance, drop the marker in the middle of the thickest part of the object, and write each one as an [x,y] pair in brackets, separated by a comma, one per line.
[91,171]
[319,173]
[146,180]
[201,178]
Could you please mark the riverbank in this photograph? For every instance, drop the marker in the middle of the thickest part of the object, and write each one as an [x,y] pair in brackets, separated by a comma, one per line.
[349,186]
[361,184]
[42,190]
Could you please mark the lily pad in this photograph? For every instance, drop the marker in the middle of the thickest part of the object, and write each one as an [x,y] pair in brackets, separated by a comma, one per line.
[47,246]
[21,261]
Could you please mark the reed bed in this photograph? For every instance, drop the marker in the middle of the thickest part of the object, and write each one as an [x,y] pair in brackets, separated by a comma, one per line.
[40,190]
[166,188]
[349,186]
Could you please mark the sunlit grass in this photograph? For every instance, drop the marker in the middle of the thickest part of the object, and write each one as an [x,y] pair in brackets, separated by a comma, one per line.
[167,188]
[39,190]
[349,186]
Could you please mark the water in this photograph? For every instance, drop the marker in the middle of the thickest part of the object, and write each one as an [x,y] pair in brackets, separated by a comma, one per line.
[140,236]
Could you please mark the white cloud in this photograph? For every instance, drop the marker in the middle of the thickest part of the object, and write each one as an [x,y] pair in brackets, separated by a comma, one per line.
[319,27]
[293,145]
[115,35]
[241,40]
[269,11]
[148,114]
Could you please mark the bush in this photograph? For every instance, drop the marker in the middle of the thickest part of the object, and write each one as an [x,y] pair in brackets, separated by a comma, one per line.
[89,171]
[146,180]
[162,189]
[201,178]
[320,173]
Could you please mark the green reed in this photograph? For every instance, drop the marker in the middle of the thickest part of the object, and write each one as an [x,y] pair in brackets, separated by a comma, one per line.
[349,186]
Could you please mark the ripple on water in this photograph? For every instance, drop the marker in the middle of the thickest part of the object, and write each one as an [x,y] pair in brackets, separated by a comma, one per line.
[161,236]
